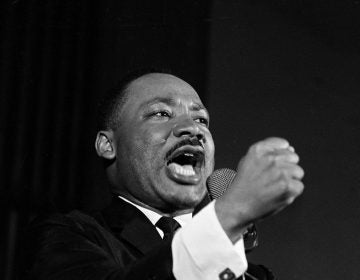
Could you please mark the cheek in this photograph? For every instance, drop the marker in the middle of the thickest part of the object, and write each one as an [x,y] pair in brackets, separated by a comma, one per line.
[210,156]
[210,145]
[150,140]
[156,135]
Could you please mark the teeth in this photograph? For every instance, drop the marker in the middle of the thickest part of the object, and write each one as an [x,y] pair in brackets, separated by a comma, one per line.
[184,170]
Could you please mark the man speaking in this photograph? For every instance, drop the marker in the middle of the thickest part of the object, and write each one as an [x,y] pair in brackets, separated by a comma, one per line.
[158,152]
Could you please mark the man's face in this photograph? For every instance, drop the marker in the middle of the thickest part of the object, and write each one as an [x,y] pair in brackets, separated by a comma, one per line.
[164,149]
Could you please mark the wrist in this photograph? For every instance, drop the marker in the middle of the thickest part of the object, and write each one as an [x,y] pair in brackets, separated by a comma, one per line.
[233,225]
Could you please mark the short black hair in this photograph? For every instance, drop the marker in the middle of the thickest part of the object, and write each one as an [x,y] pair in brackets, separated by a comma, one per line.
[110,105]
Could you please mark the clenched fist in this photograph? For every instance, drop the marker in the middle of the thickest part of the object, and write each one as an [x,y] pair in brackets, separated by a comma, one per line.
[267,180]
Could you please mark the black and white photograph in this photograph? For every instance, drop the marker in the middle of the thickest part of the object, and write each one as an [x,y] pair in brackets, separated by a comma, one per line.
[188,140]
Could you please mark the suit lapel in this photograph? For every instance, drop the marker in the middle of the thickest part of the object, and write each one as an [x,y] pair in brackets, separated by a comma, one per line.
[130,224]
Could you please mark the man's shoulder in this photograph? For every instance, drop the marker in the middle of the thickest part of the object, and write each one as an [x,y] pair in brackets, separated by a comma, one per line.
[69,224]
[72,218]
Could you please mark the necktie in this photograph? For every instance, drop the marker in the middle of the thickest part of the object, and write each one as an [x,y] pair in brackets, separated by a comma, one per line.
[168,226]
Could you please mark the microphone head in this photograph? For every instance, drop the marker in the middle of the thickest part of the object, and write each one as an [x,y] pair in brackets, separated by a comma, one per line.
[217,184]
[219,181]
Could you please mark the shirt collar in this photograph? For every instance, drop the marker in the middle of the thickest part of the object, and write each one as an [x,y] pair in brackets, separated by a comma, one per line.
[154,216]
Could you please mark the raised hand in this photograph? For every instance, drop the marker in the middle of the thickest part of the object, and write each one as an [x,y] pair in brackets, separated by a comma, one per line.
[268,179]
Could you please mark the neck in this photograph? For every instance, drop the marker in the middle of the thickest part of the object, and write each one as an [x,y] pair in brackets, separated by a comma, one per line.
[167,213]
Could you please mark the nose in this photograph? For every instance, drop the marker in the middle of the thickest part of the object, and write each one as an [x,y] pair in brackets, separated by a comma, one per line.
[188,127]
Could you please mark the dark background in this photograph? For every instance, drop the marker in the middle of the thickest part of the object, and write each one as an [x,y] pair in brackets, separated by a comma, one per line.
[263,68]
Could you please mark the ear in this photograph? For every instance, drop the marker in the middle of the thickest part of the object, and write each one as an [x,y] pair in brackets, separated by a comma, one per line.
[104,144]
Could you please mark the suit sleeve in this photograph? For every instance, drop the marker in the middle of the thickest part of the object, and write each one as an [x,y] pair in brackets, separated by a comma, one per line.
[66,249]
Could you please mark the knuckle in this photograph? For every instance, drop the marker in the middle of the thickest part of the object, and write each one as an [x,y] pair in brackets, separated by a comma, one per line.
[298,172]
[291,148]
[300,187]
[295,157]
[284,173]
[302,172]
[276,160]
[278,142]
[287,156]
[290,200]
[277,174]
[283,186]
[296,188]
[271,158]
[255,148]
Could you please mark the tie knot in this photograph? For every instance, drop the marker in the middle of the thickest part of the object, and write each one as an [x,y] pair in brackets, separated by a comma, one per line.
[168,226]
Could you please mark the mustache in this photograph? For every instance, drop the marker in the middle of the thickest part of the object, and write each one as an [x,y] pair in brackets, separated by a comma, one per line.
[185,142]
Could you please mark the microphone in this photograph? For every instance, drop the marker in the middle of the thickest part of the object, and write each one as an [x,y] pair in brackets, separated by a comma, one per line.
[217,184]
[219,181]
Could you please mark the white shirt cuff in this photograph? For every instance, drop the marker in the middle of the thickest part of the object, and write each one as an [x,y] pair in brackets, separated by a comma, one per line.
[202,250]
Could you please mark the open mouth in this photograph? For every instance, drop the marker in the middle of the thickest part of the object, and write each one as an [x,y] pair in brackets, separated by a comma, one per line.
[184,165]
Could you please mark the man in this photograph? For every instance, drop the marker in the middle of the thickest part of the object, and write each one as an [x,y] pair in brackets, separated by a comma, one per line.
[158,153]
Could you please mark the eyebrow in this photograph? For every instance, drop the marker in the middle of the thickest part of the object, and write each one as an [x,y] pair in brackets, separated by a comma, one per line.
[171,102]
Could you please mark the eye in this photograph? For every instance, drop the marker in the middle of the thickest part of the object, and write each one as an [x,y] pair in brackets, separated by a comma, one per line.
[203,121]
[161,114]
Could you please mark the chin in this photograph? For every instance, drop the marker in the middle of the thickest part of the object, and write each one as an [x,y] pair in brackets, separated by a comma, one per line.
[189,200]
[177,195]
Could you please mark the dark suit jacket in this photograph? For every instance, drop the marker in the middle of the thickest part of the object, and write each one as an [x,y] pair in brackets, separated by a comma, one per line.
[117,243]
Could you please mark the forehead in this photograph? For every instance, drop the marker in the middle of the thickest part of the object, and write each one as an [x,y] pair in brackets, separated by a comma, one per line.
[157,86]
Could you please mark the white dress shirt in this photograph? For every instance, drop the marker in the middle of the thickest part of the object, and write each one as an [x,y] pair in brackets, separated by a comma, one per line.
[201,249]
